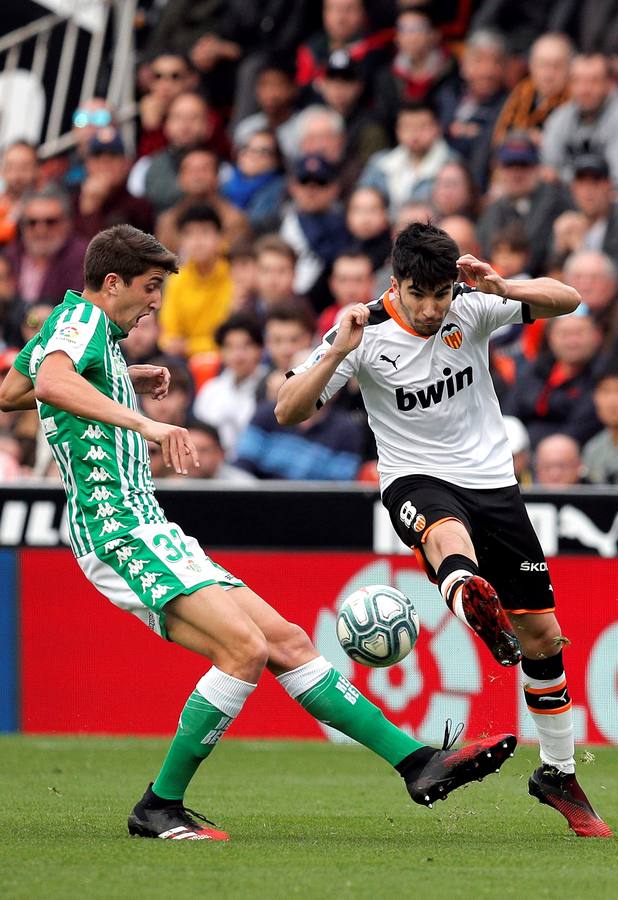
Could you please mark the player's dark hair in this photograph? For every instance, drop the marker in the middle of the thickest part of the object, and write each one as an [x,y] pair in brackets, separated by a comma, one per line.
[201,212]
[128,252]
[426,255]
[240,322]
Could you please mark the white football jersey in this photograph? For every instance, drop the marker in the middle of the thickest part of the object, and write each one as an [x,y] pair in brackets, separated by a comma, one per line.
[430,401]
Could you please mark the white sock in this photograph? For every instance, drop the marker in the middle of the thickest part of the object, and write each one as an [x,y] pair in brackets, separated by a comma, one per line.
[455,605]
[550,706]
[302,679]
[224,691]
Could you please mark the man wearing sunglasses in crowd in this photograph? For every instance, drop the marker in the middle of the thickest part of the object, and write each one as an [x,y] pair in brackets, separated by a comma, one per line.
[47,256]
[88,119]
[164,78]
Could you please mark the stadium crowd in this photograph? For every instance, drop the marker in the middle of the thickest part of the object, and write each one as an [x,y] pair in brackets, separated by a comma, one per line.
[280,148]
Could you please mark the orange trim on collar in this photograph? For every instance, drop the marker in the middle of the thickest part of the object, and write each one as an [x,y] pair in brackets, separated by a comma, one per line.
[390,309]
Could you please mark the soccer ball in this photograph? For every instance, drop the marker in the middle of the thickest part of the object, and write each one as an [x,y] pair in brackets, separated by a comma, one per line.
[377,625]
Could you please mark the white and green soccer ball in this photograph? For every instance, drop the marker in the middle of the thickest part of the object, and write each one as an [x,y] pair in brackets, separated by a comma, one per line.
[377,625]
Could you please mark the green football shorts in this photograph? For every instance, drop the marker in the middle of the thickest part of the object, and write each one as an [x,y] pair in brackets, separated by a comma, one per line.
[145,569]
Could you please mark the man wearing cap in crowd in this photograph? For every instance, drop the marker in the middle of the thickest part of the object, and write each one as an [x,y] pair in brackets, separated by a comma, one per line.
[102,199]
[525,198]
[342,88]
[593,225]
[314,225]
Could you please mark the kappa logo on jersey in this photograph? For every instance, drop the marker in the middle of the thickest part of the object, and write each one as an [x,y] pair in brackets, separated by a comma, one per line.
[452,336]
[434,393]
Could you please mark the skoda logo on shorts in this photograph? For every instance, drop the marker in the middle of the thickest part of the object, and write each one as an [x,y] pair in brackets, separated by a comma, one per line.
[452,336]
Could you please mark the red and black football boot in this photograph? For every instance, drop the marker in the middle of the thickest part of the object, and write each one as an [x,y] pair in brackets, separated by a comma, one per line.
[487,618]
[442,771]
[156,818]
[562,792]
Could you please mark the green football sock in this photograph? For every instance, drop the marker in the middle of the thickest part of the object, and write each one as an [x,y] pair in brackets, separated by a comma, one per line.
[336,702]
[199,729]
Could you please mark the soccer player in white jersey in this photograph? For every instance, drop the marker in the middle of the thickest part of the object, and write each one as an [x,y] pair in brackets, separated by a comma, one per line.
[144,564]
[419,354]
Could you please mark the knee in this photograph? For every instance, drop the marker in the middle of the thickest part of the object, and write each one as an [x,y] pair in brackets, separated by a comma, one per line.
[539,639]
[247,654]
[292,648]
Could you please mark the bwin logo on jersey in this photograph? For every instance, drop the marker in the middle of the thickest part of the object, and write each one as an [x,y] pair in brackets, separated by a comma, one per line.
[434,393]
[452,336]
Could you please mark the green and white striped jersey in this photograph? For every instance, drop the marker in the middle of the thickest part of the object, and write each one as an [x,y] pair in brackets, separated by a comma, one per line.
[105,469]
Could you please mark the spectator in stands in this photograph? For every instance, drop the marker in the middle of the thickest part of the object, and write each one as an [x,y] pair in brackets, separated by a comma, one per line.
[525,199]
[322,131]
[326,447]
[588,123]
[88,119]
[211,455]
[543,90]
[142,342]
[510,251]
[198,182]
[18,174]
[275,92]
[174,407]
[196,300]
[243,271]
[342,88]
[413,211]
[454,192]
[593,274]
[276,268]
[558,462]
[408,171]
[593,225]
[168,74]
[367,222]
[345,27]
[600,454]
[228,401]
[102,199]
[47,256]
[421,64]
[313,224]
[463,232]
[468,111]
[288,331]
[351,281]
[255,184]
[554,393]
[186,125]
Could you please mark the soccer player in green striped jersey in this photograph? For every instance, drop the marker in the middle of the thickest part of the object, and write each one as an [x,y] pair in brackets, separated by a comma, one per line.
[86,397]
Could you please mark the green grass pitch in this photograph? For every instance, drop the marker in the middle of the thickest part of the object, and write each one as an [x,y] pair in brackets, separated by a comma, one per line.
[307,820]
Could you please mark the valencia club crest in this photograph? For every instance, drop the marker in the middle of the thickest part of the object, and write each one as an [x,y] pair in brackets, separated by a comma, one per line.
[452,336]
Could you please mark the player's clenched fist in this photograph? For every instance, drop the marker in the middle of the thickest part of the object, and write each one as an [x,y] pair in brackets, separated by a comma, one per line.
[350,332]
[176,445]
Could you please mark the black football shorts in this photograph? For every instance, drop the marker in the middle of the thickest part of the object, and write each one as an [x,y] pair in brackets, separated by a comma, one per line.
[508,551]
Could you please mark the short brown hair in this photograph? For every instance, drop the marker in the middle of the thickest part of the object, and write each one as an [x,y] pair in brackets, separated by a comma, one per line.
[128,252]
[272,243]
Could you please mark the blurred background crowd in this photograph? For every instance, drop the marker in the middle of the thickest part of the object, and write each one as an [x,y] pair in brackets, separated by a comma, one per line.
[280,146]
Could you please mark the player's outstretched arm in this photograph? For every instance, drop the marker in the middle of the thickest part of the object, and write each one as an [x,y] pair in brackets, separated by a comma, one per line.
[16,392]
[546,297]
[59,385]
[299,395]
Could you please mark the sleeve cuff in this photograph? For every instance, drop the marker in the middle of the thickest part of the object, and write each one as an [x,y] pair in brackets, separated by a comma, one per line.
[526,315]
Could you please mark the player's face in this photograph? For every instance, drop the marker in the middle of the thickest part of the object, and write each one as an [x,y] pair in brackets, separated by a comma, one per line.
[423,309]
[139,298]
